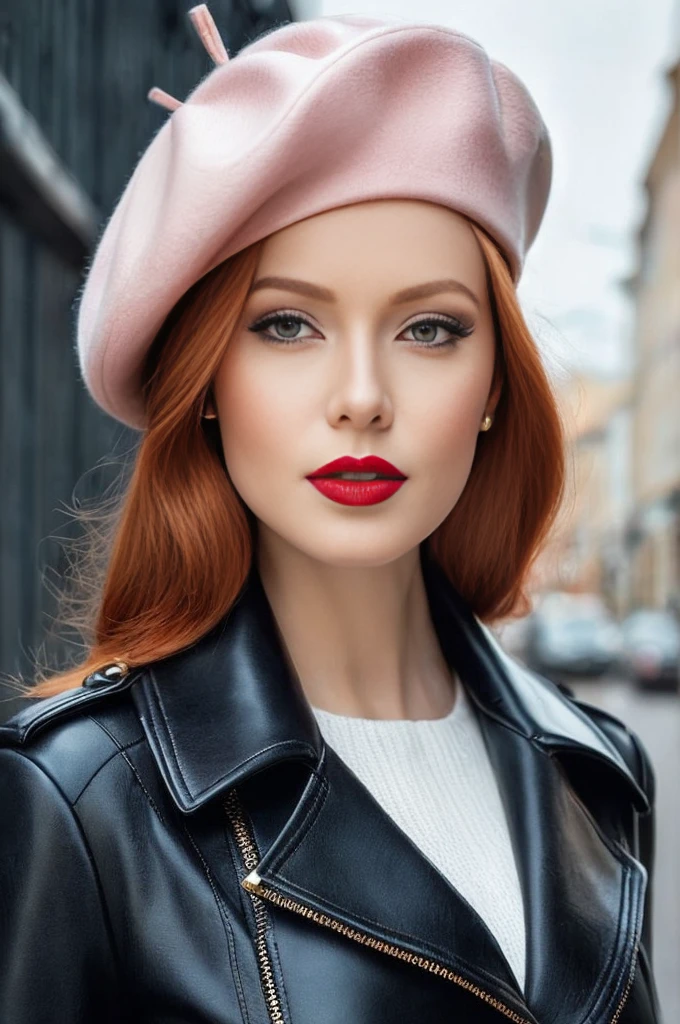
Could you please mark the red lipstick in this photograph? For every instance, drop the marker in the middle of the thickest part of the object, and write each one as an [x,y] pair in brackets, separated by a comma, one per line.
[329,481]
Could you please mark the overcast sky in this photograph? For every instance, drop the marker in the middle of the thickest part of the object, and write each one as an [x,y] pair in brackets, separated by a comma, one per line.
[596,71]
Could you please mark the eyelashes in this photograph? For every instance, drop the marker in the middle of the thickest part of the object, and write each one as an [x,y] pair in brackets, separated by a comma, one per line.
[283,316]
[457,328]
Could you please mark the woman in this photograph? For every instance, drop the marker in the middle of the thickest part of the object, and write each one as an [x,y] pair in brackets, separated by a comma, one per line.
[296,779]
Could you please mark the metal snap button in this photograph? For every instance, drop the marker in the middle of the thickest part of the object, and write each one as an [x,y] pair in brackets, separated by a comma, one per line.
[107,674]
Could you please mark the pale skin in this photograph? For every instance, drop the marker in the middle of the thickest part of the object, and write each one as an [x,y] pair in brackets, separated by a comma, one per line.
[361,376]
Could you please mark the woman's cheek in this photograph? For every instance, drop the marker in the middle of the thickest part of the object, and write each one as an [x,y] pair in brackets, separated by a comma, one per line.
[449,427]
[248,410]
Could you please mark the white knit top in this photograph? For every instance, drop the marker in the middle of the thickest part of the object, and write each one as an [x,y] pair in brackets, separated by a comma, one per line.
[435,780]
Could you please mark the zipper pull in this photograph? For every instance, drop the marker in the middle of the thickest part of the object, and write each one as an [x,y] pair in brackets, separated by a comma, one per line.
[251,882]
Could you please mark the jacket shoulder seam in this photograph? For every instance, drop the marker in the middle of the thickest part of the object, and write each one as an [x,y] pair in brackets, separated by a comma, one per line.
[102,764]
[122,750]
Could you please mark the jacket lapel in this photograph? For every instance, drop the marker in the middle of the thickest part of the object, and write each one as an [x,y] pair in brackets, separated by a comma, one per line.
[334,850]
[343,856]
[583,893]
[583,896]
[226,707]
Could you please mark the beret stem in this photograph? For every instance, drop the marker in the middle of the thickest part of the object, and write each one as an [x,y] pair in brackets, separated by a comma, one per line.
[202,20]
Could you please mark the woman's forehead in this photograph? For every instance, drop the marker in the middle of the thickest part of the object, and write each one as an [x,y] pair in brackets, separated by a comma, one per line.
[401,242]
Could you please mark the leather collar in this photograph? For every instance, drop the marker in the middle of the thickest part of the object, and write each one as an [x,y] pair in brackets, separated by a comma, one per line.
[229,705]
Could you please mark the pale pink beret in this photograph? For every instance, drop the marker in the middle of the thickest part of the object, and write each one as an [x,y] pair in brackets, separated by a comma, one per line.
[311,116]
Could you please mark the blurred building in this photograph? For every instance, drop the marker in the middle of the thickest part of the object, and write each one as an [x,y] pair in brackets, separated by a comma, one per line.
[654,528]
[587,552]
[619,530]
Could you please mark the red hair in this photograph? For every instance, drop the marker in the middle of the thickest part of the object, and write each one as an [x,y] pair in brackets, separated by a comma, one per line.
[176,549]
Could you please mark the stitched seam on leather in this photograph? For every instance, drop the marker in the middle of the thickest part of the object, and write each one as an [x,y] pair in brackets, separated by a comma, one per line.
[114,739]
[132,767]
[293,744]
[595,1008]
[284,745]
[236,975]
[433,951]
[498,719]
[642,774]
[168,732]
[623,859]
[103,765]
[364,920]
[596,1011]
[319,798]
[289,744]
[646,782]
[312,813]
[154,730]
[637,924]
[136,774]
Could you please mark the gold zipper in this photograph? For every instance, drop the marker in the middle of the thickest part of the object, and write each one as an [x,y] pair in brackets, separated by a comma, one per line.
[253,884]
[246,844]
[626,991]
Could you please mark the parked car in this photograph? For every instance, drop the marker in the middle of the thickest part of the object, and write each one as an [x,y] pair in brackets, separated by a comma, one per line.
[573,635]
[651,646]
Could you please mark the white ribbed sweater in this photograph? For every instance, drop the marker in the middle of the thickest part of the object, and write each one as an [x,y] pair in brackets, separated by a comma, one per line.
[435,780]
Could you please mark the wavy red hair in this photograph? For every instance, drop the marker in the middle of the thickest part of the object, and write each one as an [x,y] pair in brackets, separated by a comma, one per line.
[166,564]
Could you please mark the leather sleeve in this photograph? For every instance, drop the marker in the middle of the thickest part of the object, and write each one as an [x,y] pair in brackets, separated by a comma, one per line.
[57,962]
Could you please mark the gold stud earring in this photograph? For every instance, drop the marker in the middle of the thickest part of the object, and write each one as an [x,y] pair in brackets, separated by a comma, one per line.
[486,423]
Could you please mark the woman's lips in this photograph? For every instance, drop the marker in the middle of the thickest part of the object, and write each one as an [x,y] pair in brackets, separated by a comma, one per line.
[357,492]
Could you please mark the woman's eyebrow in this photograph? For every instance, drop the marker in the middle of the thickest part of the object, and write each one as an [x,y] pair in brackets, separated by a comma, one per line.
[291,284]
[423,291]
[315,291]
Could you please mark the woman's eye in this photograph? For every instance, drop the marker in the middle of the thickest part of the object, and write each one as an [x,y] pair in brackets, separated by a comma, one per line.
[286,327]
[425,332]
[433,332]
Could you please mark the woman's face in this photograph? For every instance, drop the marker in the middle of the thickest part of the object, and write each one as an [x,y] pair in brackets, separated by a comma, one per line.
[367,331]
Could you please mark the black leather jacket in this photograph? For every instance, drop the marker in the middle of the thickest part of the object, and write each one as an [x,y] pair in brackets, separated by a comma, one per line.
[178,845]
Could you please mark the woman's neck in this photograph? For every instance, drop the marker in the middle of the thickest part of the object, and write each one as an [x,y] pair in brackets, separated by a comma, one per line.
[361,640]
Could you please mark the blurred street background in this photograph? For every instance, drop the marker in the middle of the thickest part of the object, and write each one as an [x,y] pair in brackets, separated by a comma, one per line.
[600,290]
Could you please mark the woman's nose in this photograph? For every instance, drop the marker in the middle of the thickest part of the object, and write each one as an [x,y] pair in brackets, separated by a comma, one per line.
[359,389]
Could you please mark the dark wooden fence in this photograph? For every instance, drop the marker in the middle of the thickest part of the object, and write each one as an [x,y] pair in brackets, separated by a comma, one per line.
[78,71]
